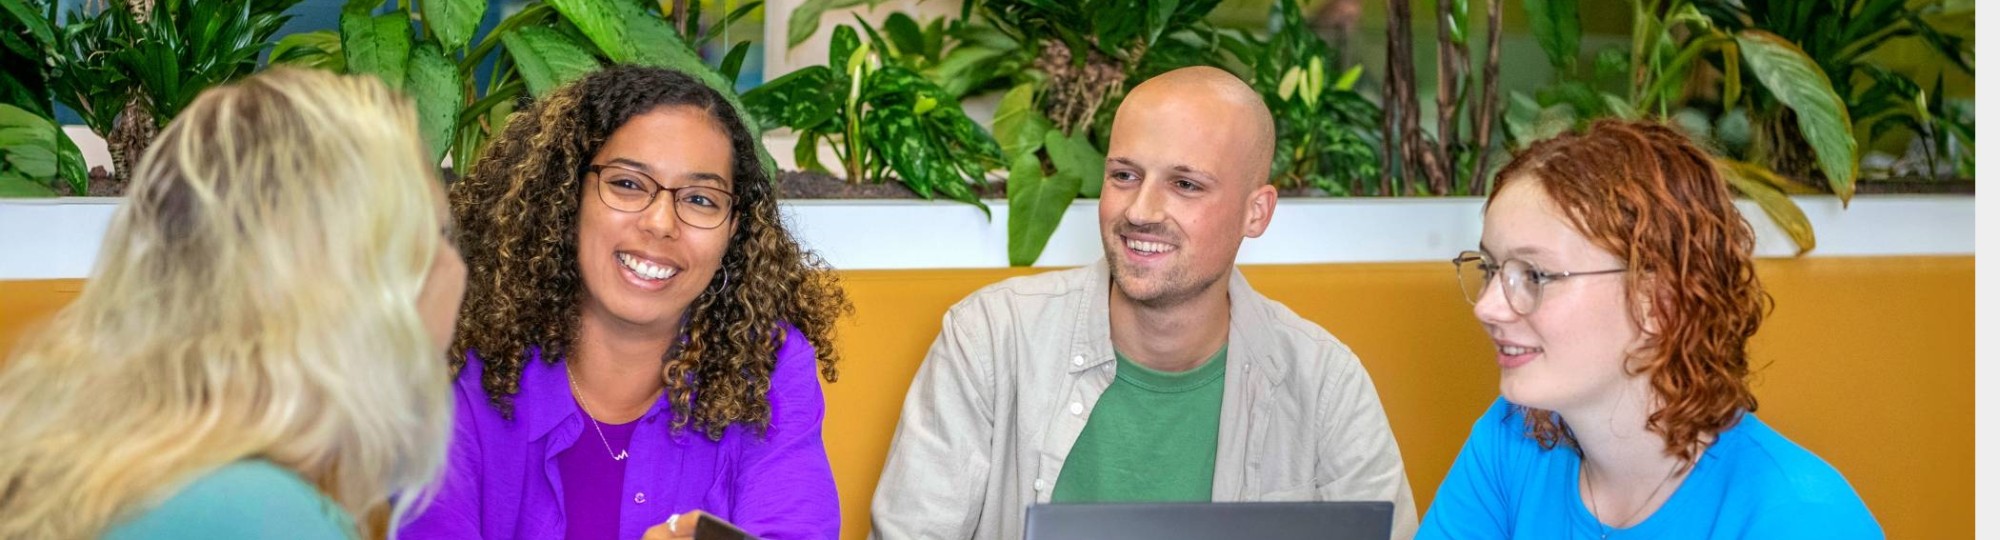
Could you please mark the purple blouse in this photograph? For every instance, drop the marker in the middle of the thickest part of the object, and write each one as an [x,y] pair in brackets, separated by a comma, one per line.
[592,482]
[503,477]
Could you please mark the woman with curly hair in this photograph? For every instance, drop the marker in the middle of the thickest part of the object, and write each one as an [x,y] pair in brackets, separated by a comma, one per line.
[1615,278]
[641,335]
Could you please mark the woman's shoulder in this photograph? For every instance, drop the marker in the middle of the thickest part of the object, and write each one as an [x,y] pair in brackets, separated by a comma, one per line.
[252,498]
[1757,457]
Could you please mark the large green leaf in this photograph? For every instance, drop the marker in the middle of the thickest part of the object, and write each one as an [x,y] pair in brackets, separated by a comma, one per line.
[1797,82]
[33,160]
[19,127]
[318,49]
[969,65]
[1158,14]
[454,21]
[904,35]
[70,167]
[805,153]
[655,43]
[1558,28]
[801,100]
[27,144]
[1762,186]
[12,185]
[1035,206]
[659,46]
[805,18]
[602,23]
[547,59]
[732,63]
[375,44]
[840,49]
[1018,125]
[435,84]
[37,27]
[1073,155]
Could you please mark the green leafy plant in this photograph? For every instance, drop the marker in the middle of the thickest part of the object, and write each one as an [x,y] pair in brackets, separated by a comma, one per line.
[1075,61]
[1676,47]
[1842,37]
[1066,65]
[1047,170]
[27,36]
[879,118]
[1328,135]
[1454,158]
[36,158]
[534,51]
[687,18]
[129,68]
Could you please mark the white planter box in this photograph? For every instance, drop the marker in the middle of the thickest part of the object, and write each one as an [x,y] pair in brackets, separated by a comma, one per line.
[59,238]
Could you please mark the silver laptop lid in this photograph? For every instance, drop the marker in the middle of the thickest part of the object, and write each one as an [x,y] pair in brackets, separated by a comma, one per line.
[1369,520]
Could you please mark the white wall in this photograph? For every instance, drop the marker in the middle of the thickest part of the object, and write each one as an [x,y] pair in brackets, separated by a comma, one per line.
[59,238]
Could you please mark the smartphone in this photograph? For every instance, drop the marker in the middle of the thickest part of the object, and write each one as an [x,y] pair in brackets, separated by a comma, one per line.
[714,528]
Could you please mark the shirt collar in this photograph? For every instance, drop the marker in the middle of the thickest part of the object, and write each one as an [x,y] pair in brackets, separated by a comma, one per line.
[1249,325]
[545,400]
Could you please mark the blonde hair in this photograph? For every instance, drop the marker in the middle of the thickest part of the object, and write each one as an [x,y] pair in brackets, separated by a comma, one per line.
[255,298]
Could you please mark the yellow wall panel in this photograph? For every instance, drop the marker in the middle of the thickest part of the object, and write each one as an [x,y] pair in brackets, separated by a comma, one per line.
[1868,362]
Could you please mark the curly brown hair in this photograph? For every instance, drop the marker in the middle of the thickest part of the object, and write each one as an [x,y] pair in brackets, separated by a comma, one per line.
[1650,196]
[518,213]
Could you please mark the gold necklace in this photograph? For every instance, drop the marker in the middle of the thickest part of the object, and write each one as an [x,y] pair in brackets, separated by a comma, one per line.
[1604,529]
[619,455]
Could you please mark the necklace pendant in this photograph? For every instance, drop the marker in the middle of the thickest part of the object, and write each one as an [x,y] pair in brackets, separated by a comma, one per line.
[619,457]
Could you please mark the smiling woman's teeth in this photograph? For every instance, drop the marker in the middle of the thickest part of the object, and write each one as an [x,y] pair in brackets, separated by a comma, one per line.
[1517,351]
[1146,247]
[644,269]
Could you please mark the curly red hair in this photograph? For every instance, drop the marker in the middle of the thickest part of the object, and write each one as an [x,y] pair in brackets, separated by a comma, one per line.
[1647,194]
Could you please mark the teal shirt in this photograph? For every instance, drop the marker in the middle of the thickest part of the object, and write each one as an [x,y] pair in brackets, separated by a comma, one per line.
[248,499]
[1151,437]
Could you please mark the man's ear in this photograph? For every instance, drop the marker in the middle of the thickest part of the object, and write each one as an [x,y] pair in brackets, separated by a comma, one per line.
[1262,202]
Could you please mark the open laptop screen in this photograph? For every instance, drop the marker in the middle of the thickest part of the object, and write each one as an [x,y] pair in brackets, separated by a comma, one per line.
[1231,521]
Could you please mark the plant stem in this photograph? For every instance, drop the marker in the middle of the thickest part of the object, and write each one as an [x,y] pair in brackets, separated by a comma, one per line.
[423,24]
[1653,97]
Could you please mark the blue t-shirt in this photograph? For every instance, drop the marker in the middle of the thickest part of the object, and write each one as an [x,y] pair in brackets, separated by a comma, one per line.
[1752,484]
[248,499]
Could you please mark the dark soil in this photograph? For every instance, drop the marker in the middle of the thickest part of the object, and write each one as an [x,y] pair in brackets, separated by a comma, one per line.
[101,185]
[818,185]
[1914,185]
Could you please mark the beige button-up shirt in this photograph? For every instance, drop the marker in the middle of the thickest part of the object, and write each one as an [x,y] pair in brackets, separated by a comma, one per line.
[1010,382]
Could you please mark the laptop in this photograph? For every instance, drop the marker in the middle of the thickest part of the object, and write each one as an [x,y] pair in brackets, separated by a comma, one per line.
[1352,520]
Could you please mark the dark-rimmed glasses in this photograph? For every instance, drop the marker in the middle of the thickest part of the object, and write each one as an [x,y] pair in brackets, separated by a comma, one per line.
[1521,282]
[627,190]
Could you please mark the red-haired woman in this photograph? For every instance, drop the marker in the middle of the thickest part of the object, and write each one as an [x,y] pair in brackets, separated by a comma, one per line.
[1614,276]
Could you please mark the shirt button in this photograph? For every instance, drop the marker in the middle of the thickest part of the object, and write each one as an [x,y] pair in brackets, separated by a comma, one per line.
[1075,408]
[1041,485]
[1077,361]
[639,497]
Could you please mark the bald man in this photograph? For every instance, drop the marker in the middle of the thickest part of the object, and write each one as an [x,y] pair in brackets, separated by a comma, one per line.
[1155,374]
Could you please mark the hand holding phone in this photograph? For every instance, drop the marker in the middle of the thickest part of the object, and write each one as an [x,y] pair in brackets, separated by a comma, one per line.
[696,525]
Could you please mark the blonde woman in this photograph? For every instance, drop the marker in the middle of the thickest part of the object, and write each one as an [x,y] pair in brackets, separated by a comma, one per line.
[258,352]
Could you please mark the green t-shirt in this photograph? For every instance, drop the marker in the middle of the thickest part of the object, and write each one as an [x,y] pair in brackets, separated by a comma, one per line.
[248,499]
[1150,438]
